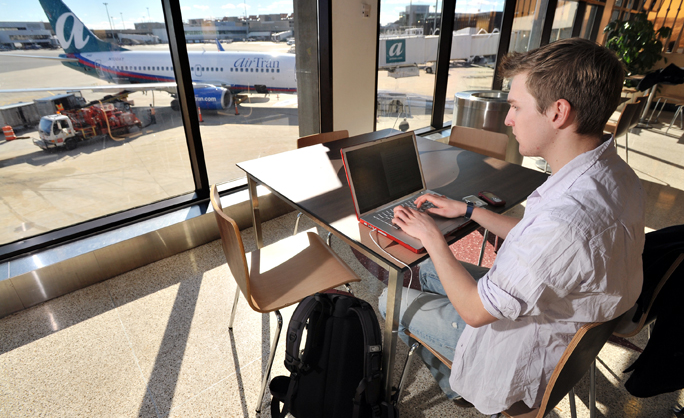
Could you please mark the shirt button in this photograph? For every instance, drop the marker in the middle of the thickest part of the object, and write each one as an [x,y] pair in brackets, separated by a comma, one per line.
[454,324]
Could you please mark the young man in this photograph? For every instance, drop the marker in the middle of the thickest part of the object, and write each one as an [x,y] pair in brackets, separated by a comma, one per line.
[574,258]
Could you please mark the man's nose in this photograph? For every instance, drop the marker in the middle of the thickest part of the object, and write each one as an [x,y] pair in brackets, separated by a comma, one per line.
[509,118]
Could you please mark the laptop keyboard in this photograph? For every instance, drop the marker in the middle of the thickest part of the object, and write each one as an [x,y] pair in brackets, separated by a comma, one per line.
[387,215]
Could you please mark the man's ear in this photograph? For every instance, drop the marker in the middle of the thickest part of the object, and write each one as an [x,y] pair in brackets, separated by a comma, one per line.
[560,114]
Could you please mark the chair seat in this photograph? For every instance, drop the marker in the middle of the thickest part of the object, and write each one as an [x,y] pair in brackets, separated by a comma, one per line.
[447,362]
[284,273]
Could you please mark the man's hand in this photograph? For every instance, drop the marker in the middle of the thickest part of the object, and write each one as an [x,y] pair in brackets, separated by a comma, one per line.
[418,225]
[443,205]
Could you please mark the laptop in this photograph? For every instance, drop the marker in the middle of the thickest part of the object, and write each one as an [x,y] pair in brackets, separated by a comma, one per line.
[384,174]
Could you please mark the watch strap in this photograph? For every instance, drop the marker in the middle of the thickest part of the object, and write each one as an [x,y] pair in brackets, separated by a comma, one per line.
[469,211]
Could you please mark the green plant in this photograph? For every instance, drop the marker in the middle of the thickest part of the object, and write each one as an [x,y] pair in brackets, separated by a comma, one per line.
[638,45]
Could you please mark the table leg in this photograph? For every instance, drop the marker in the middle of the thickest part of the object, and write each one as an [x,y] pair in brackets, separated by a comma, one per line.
[391,325]
[256,216]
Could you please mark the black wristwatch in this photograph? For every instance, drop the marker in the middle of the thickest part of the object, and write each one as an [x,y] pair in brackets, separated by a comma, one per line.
[469,211]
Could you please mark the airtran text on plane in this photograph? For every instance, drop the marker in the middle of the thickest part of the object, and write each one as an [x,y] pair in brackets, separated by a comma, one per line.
[256,63]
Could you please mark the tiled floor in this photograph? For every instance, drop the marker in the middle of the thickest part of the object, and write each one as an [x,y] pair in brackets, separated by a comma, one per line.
[155,342]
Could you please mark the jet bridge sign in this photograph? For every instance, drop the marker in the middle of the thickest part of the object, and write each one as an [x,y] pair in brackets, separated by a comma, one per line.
[395,51]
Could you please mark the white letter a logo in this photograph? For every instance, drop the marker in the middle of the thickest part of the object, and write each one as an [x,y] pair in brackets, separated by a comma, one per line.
[76,34]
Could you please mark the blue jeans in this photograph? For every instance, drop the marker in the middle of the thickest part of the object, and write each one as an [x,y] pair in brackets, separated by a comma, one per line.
[430,316]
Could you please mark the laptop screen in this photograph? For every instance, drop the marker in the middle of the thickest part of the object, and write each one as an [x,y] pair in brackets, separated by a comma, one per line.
[384,171]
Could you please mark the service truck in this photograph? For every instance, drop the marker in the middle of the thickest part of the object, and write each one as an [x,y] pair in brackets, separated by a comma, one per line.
[66,129]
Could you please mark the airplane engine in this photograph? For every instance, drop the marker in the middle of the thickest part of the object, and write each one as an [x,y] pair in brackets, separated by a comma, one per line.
[213,98]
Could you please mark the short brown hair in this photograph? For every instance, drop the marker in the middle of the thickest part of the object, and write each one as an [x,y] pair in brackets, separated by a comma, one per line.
[585,74]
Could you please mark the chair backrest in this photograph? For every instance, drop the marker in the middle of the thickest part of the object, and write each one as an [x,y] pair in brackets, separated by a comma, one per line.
[576,360]
[234,250]
[322,138]
[663,256]
[492,144]
[625,120]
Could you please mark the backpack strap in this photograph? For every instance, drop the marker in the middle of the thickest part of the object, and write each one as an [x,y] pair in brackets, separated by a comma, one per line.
[371,384]
[295,331]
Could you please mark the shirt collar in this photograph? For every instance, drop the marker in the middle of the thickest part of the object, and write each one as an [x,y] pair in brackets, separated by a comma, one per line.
[559,182]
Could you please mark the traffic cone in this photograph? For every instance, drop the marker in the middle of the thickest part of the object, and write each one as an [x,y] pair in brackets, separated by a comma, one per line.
[200,114]
[9,133]
[236,111]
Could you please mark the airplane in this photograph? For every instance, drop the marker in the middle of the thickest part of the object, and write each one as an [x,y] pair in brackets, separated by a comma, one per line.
[216,76]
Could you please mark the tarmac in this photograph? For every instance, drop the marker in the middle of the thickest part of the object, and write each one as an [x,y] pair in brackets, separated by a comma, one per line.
[42,191]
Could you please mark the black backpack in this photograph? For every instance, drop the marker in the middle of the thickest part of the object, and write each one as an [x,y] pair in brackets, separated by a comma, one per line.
[338,373]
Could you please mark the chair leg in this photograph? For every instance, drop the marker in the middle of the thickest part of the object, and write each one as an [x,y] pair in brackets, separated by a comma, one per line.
[349,289]
[232,311]
[573,408]
[661,110]
[484,245]
[299,215]
[402,378]
[279,327]
[674,118]
[592,390]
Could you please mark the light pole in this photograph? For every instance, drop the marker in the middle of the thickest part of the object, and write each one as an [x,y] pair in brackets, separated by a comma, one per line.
[149,19]
[108,18]
[122,21]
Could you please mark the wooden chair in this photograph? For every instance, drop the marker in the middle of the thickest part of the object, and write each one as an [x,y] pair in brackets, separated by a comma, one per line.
[625,122]
[322,138]
[491,144]
[315,139]
[578,357]
[280,274]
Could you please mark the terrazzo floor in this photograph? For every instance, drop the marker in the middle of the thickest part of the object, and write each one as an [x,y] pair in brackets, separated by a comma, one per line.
[155,342]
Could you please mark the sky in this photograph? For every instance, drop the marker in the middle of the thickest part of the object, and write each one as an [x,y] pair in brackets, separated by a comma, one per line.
[124,13]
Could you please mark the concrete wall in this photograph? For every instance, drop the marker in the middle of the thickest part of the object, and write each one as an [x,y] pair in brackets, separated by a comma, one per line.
[354,40]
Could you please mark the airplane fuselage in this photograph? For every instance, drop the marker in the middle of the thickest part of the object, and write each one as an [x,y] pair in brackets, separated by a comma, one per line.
[237,71]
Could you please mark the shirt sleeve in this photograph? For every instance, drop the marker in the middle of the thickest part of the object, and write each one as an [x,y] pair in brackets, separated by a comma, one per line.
[538,266]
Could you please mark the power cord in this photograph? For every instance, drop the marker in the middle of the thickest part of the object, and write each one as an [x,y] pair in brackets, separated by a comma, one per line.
[370,234]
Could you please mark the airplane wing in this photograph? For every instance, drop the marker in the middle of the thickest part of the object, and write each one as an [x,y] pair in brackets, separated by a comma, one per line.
[167,87]
[42,57]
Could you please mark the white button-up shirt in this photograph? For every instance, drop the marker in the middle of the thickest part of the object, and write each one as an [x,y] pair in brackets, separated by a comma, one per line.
[574,258]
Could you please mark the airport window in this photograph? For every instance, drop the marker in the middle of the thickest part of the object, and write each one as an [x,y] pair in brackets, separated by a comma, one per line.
[527,25]
[405,90]
[109,180]
[471,65]
[271,129]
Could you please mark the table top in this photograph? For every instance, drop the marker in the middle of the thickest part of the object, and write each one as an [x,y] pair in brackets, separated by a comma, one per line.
[313,180]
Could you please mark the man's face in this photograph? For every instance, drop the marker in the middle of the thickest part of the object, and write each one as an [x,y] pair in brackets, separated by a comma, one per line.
[532,129]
